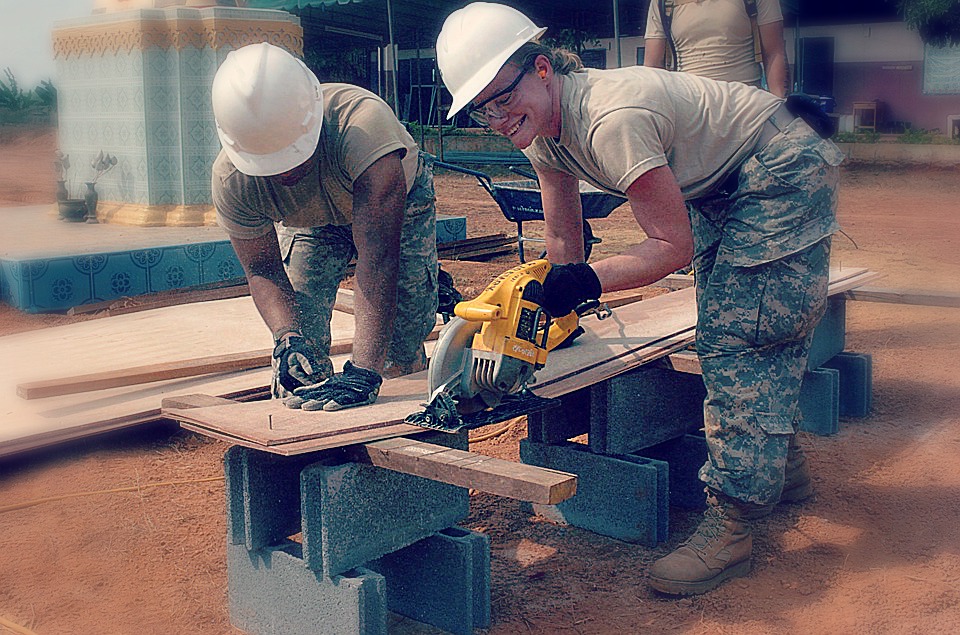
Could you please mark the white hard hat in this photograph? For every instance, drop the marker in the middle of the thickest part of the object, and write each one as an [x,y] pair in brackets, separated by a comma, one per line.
[269,109]
[474,44]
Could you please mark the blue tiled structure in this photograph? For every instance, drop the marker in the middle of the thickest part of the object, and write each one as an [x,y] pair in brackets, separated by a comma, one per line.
[56,284]
[59,283]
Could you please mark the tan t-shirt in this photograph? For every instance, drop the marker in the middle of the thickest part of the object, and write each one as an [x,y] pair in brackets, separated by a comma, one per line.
[358,128]
[618,124]
[714,38]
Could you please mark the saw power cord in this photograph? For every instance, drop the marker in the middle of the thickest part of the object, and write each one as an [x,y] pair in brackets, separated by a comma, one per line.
[134,488]
[15,628]
[486,436]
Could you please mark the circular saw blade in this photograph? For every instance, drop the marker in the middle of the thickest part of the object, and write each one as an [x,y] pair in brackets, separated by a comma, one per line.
[449,353]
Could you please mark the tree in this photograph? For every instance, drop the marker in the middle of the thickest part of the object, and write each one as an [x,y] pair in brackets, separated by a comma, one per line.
[573,40]
[46,94]
[937,21]
[12,97]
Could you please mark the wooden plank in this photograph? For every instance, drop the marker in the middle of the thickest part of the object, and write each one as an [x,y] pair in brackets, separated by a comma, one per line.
[904,296]
[226,293]
[169,370]
[144,374]
[637,334]
[685,362]
[841,280]
[446,465]
[223,289]
[161,335]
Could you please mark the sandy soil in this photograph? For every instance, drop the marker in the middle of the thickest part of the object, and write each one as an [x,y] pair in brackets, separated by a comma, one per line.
[878,551]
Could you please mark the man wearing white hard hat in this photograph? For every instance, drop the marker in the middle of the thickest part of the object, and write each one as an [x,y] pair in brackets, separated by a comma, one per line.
[330,169]
[761,187]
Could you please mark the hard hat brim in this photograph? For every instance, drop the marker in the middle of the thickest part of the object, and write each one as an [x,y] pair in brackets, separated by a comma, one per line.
[283,160]
[485,74]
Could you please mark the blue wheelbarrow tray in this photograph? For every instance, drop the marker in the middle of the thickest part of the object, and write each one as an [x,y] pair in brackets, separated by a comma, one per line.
[520,200]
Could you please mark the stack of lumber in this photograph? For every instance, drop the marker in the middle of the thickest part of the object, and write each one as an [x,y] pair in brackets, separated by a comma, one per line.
[637,333]
[171,335]
[161,336]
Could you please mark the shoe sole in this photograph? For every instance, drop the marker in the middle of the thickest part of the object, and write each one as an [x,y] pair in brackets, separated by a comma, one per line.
[677,587]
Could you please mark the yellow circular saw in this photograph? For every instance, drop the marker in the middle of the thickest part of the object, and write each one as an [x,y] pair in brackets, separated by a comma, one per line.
[492,348]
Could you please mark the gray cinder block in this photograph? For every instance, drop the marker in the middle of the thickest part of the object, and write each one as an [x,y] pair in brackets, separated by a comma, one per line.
[271,592]
[263,496]
[353,513]
[820,401]
[442,580]
[856,383]
[644,407]
[623,497]
[684,456]
[829,338]
[570,419]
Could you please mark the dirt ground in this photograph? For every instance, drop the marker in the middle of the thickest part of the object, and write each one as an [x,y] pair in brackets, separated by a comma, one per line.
[878,550]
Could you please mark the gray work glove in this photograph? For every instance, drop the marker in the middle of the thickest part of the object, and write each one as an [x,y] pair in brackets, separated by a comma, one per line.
[297,364]
[353,387]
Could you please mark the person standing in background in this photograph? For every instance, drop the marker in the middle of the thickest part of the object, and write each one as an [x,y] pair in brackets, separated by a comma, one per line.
[726,40]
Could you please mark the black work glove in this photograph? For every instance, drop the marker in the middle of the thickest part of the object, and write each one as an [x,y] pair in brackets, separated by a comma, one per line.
[353,387]
[566,286]
[297,363]
[447,294]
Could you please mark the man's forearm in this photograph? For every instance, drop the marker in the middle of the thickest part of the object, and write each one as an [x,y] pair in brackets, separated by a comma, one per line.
[276,305]
[375,311]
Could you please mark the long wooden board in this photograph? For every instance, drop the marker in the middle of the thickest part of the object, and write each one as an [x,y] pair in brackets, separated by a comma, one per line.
[447,465]
[905,296]
[207,365]
[637,334]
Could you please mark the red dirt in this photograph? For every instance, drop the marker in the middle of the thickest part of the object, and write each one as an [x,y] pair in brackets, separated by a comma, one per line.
[876,552]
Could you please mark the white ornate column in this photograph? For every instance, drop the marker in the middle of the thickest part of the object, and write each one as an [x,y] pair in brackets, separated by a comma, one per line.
[136,84]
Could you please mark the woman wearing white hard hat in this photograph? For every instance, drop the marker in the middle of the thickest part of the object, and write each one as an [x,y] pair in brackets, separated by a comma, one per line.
[760,185]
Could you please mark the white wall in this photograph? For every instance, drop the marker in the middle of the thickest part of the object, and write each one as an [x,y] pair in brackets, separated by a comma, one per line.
[882,42]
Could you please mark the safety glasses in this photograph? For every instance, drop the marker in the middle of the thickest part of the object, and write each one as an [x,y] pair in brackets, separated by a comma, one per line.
[494,107]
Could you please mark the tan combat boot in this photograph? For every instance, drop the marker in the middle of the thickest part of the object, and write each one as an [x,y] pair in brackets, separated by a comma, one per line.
[719,549]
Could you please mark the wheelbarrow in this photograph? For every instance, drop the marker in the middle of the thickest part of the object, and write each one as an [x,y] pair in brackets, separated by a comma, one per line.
[519,201]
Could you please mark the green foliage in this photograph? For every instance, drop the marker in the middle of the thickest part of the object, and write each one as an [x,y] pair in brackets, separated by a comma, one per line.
[937,21]
[573,40]
[856,137]
[12,97]
[918,135]
[46,94]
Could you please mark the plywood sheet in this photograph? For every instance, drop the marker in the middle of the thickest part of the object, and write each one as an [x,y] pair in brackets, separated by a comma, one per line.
[164,335]
[636,334]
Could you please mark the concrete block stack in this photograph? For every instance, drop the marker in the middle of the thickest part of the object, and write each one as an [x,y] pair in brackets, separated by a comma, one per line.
[370,541]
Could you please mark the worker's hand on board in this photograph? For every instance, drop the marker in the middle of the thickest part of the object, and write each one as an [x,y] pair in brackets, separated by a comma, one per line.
[297,364]
[353,387]
[566,286]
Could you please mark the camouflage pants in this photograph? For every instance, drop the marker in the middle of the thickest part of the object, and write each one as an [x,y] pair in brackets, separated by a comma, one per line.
[316,261]
[759,298]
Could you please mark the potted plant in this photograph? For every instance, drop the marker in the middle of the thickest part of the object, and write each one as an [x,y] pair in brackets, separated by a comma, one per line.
[101,164]
[77,210]
[71,209]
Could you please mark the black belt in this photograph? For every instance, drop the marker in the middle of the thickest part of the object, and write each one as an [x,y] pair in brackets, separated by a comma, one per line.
[774,125]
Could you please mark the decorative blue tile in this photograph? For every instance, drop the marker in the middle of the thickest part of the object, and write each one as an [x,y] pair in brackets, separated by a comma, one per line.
[451,228]
[56,284]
